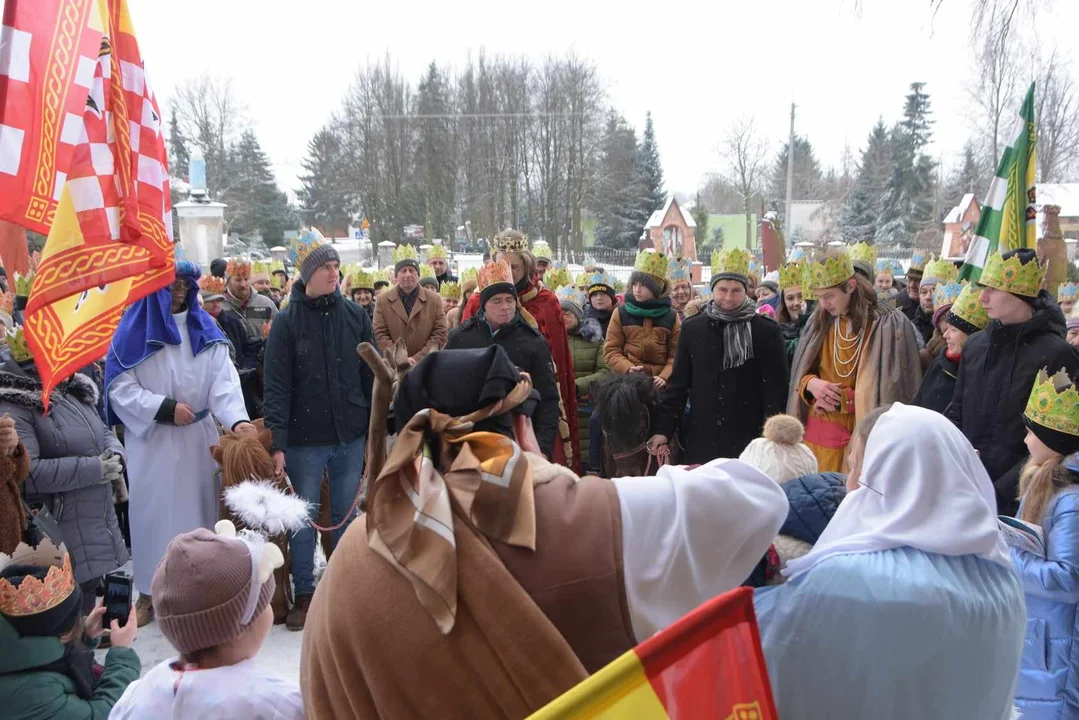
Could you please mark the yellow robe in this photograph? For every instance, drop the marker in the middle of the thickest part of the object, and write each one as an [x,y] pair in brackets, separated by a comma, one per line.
[832,459]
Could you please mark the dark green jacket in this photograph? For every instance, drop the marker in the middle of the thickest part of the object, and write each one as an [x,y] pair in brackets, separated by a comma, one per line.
[586,345]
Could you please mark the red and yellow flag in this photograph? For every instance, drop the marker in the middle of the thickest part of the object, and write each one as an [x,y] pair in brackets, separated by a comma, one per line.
[709,664]
[109,220]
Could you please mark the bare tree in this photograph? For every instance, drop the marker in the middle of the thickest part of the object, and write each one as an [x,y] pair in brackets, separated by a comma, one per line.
[210,116]
[999,67]
[743,151]
[1057,114]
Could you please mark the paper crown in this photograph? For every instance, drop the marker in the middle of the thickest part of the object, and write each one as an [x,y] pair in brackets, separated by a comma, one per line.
[678,270]
[557,277]
[939,271]
[1068,292]
[302,246]
[968,309]
[34,596]
[830,268]
[212,285]
[426,271]
[917,261]
[261,270]
[542,251]
[598,282]
[754,268]
[792,275]
[651,263]
[450,291]
[512,241]
[404,252]
[494,273]
[436,252]
[883,266]
[1012,275]
[863,252]
[16,343]
[571,295]
[7,302]
[360,279]
[469,274]
[946,293]
[23,283]
[1054,403]
[733,261]
[582,279]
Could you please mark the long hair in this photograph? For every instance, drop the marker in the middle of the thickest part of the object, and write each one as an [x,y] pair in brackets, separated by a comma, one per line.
[1038,484]
[782,314]
[863,307]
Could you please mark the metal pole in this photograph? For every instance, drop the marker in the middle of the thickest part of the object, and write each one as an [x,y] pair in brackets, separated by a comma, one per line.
[790,180]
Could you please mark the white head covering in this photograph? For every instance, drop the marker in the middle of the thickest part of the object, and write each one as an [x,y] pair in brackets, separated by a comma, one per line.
[924,487]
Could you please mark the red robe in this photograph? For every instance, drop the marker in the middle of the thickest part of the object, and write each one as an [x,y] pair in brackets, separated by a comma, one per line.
[542,304]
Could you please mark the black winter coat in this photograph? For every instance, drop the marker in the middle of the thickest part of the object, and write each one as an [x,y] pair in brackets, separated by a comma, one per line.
[923,324]
[727,407]
[938,384]
[995,377]
[317,389]
[529,352]
[906,304]
[246,349]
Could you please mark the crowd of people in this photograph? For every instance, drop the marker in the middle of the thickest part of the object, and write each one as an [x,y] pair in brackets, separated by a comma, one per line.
[889,456]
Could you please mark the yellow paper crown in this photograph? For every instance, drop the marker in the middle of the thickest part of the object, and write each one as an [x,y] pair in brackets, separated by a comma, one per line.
[678,270]
[437,252]
[863,252]
[212,285]
[792,275]
[1054,403]
[542,251]
[16,343]
[426,271]
[34,596]
[450,291]
[830,268]
[493,273]
[1068,292]
[261,270]
[557,276]
[238,268]
[939,271]
[946,293]
[968,308]
[512,241]
[734,261]
[404,252]
[1012,275]
[23,284]
[582,280]
[469,274]
[360,279]
[651,263]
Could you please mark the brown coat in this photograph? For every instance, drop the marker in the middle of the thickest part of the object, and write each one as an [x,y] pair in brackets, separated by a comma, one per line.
[13,471]
[642,341]
[423,331]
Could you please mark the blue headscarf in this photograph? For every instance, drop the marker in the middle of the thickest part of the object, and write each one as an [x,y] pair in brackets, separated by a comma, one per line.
[147,326]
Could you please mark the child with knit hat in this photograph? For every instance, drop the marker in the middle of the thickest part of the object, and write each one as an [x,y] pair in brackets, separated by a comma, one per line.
[211,597]
[780,453]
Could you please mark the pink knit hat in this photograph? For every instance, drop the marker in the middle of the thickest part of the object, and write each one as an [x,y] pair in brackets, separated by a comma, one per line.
[209,588]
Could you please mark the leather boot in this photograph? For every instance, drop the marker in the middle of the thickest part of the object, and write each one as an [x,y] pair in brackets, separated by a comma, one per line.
[144,610]
[297,616]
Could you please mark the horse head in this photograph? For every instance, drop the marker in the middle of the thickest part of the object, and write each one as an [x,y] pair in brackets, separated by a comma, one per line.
[627,405]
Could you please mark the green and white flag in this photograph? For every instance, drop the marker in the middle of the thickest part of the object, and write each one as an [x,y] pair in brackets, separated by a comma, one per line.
[1008,214]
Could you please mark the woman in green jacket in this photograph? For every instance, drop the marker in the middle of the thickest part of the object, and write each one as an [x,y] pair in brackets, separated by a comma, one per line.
[586,345]
[46,644]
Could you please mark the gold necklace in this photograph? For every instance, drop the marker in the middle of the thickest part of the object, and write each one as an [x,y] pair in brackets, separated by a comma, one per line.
[848,368]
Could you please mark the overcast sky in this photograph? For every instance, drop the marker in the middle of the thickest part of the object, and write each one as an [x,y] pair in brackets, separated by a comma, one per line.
[696,66]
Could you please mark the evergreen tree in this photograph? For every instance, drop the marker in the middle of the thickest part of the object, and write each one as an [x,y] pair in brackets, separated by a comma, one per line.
[907,203]
[965,179]
[621,214]
[700,216]
[323,197]
[650,171]
[435,157]
[179,158]
[806,180]
[858,217]
[255,204]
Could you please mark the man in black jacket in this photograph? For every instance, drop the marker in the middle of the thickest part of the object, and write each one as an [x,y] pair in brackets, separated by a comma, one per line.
[318,403]
[245,351]
[999,364]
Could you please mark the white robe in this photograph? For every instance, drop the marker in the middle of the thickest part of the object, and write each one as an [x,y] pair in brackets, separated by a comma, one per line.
[174,485]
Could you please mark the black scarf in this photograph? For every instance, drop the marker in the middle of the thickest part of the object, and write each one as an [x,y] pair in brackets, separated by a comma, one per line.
[737,333]
[408,300]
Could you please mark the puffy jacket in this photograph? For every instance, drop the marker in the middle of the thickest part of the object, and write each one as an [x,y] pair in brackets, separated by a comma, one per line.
[30,692]
[813,501]
[255,313]
[589,366]
[65,470]
[996,373]
[633,340]
[317,389]
[938,384]
[529,352]
[1049,674]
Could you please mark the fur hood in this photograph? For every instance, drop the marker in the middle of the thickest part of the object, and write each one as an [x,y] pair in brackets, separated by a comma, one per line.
[590,330]
[25,391]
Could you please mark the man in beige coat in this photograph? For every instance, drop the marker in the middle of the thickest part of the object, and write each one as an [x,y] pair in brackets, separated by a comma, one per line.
[406,311]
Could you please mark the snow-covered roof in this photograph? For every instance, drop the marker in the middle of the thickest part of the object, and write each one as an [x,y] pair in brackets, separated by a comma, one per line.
[1066,195]
[657,217]
[957,212]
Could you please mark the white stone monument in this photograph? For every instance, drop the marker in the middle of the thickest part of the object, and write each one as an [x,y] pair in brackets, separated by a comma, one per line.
[202,222]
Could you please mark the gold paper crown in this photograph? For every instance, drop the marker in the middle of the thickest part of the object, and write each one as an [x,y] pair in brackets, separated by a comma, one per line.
[437,252]
[939,271]
[34,596]
[469,274]
[1068,292]
[968,307]
[792,275]
[917,261]
[276,266]
[571,295]
[238,268]
[512,241]
[360,279]
[404,252]
[559,276]
[678,270]
[582,279]
[277,282]
[493,273]
[1012,275]
[23,284]
[450,291]
[864,252]
[304,243]
[733,260]
[16,343]
[212,285]
[651,263]
[261,270]
[946,293]
[426,271]
[1054,403]
[833,267]
[542,251]
[7,302]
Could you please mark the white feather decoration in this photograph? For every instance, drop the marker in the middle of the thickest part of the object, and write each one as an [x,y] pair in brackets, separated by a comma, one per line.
[263,507]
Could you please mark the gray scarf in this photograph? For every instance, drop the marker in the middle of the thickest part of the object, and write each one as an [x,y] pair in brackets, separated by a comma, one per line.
[737,334]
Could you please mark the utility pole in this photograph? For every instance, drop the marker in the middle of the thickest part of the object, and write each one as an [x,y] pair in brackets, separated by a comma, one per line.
[790,180]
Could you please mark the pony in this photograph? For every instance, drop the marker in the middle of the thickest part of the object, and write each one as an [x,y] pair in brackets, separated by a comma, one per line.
[628,406]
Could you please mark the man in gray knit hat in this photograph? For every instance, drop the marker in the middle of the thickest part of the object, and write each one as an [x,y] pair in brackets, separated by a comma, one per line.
[317,402]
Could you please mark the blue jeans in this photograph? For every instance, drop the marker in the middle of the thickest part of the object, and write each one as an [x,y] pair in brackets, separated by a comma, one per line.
[305,466]
[595,444]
